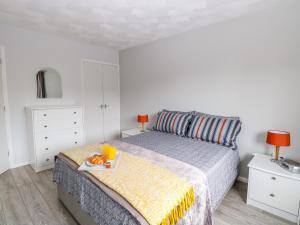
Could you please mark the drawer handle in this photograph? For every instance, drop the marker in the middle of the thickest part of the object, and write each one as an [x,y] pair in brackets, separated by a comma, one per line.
[46,148]
[273,178]
[75,122]
[272,195]
[75,132]
[47,160]
[46,137]
[45,115]
[75,112]
[45,126]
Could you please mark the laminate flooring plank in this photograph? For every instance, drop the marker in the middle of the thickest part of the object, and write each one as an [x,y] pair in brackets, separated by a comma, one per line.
[2,216]
[37,207]
[218,221]
[47,188]
[13,207]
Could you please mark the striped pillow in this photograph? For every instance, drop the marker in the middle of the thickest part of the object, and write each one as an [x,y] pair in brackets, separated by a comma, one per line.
[215,129]
[173,122]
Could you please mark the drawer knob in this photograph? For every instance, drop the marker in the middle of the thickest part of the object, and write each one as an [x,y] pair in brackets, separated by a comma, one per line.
[75,112]
[45,115]
[45,126]
[46,148]
[273,178]
[46,137]
[75,132]
[75,142]
[47,160]
[272,195]
[75,122]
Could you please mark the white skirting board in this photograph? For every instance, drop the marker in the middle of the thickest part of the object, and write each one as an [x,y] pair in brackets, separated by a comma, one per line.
[242,179]
[15,165]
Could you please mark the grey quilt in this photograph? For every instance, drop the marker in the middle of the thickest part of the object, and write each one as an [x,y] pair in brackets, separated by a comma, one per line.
[217,162]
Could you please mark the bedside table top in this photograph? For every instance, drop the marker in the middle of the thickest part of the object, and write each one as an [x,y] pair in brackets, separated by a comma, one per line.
[133,131]
[264,163]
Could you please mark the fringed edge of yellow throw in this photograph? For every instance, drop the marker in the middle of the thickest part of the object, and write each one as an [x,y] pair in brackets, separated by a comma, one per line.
[179,211]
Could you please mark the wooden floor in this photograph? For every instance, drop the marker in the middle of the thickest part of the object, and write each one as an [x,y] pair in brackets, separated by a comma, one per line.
[27,198]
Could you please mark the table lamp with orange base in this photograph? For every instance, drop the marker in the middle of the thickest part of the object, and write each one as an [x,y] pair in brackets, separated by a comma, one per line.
[278,138]
[143,119]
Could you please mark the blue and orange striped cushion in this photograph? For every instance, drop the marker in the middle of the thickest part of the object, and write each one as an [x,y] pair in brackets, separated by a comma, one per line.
[173,122]
[214,129]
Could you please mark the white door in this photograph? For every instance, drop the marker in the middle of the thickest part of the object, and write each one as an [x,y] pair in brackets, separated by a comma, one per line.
[4,160]
[111,100]
[93,115]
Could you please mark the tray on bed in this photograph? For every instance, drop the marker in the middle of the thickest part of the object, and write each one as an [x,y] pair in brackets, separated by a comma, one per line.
[89,166]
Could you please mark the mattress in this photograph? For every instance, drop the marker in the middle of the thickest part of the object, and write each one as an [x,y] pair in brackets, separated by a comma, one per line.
[219,163]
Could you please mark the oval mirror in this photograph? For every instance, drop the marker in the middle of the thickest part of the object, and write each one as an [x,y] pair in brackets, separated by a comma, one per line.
[48,82]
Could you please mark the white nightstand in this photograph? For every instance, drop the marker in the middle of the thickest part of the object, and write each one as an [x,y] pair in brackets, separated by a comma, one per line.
[273,189]
[132,132]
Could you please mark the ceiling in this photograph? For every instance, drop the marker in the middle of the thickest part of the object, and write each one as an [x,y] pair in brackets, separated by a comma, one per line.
[121,24]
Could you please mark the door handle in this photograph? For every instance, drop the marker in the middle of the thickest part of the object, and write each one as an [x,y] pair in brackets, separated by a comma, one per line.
[104,106]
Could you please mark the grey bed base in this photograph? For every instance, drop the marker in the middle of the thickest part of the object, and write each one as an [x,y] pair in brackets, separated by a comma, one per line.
[74,208]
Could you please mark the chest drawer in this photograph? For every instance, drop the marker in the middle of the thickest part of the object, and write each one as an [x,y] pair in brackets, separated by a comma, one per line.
[58,141]
[276,191]
[44,126]
[45,159]
[58,114]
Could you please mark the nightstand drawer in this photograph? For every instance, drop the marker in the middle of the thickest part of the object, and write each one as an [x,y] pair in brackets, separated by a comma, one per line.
[276,191]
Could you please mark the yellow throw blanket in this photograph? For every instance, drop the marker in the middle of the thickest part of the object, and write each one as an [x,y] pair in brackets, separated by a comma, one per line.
[160,196]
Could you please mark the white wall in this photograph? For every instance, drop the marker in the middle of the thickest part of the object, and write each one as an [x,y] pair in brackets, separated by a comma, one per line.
[247,67]
[26,53]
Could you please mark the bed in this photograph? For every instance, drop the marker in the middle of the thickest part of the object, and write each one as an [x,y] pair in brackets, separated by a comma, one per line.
[218,163]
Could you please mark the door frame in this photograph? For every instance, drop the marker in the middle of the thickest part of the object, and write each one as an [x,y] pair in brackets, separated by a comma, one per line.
[82,84]
[6,112]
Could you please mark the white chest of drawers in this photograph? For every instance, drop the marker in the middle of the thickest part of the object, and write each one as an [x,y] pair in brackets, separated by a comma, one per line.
[273,189]
[52,129]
